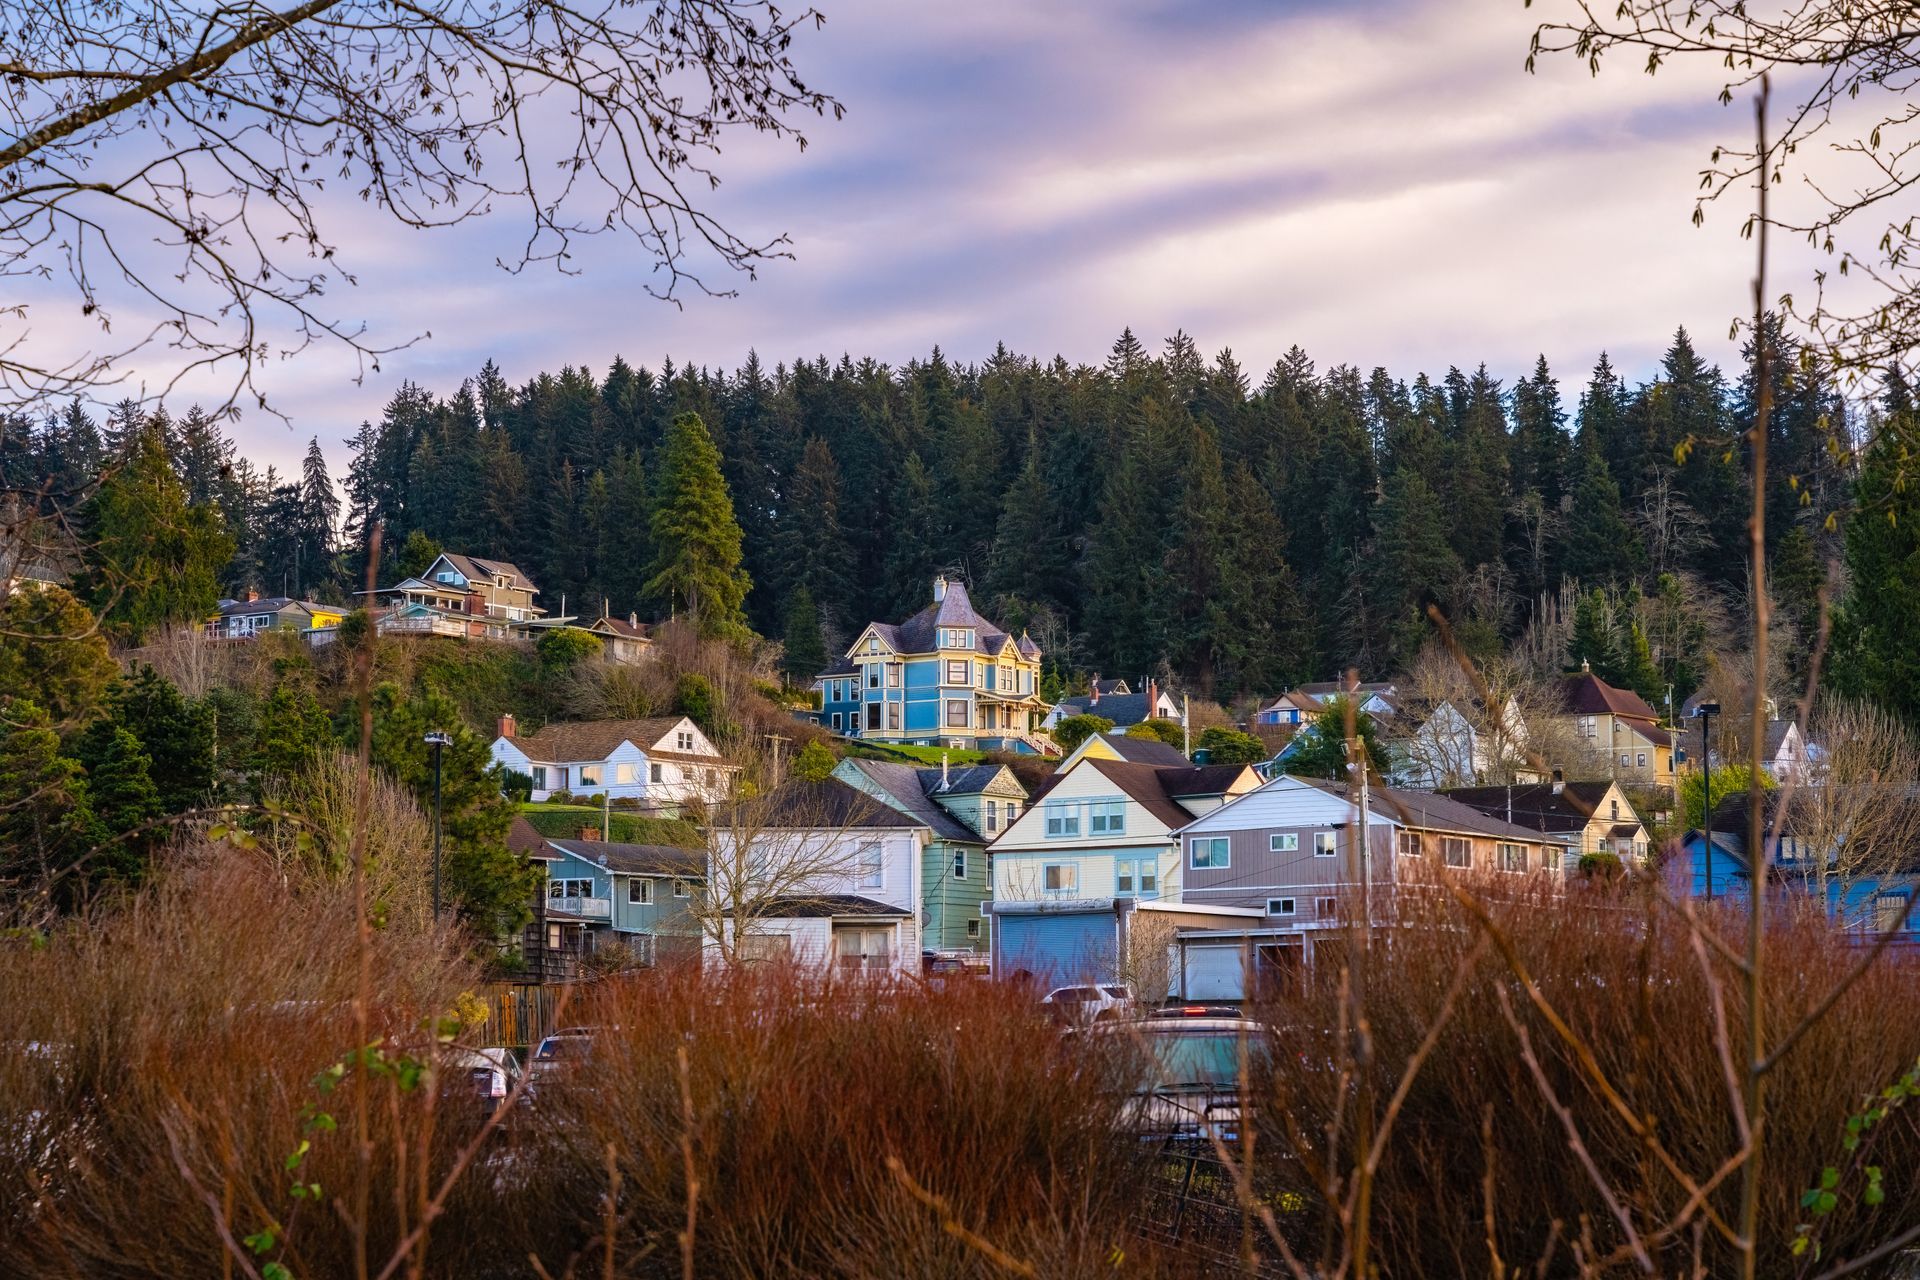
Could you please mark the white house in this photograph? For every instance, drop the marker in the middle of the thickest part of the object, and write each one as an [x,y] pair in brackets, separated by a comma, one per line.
[663,762]
[1094,847]
[832,881]
[1455,748]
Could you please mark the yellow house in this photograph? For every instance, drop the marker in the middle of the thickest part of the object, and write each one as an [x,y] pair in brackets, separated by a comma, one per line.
[1618,728]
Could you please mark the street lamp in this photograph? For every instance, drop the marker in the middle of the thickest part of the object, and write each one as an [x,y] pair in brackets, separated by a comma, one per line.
[1706,711]
[438,741]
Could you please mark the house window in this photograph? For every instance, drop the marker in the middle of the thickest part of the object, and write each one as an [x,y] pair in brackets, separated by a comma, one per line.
[1107,817]
[959,864]
[1511,857]
[1323,844]
[683,741]
[973,928]
[893,675]
[590,775]
[1060,877]
[1586,727]
[1456,852]
[1212,853]
[873,644]
[1409,844]
[1550,858]
[1640,759]
[640,892]
[872,872]
[653,772]
[873,715]
[539,777]
[1063,820]
[836,727]
[893,715]
[623,773]
[1888,910]
[1013,811]
[559,889]
[873,676]
[1288,843]
[1626,759]
[1133,876]
[956,713]
[1326,908]
[1613,809]
[1279,906]
[993,815]
[680,889]
[957,672]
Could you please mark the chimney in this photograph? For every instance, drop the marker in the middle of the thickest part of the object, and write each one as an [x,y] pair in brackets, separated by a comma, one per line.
[633,620]
[1559,782]
[939,587]
[943,771]
[1153,698]
[1585,666]
[252,595]
[590,833]
[1096,690]
[506,724]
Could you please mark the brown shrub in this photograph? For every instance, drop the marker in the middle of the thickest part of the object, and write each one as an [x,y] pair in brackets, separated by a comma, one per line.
[1477,1136]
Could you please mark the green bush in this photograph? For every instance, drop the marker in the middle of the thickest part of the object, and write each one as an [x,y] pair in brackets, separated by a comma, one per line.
[518,786]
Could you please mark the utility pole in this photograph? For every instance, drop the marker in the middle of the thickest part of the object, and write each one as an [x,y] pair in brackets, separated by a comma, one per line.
[1706,711]
[438,741]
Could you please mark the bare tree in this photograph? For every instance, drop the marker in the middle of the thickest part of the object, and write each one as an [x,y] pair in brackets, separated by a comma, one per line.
[1859,809]
[177,165]
[1674,529]
[1451,733]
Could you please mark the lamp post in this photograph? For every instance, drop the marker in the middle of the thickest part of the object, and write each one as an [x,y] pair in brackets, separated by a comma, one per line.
[438,741]
[1706,711]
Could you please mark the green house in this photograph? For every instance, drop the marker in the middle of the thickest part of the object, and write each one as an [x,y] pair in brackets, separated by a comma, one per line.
[966,809]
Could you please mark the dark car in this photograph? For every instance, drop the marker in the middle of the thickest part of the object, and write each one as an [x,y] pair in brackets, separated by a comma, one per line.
[1189,1070]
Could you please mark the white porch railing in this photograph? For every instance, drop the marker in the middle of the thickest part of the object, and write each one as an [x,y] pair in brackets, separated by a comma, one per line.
[593,908]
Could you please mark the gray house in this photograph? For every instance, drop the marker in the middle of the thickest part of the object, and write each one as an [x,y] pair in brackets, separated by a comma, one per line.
[1288,849]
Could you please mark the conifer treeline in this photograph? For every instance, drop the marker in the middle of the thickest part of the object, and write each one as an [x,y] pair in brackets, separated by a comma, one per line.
[1155,513]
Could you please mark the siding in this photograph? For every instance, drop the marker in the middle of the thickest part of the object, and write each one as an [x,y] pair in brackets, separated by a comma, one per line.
[949,903]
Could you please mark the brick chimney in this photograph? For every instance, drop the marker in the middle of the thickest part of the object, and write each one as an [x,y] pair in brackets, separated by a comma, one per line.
[590,833]
[1096,690]
[1153,698]
[506,724]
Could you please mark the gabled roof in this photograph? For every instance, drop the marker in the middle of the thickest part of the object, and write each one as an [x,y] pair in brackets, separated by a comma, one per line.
[904,788]
[1145,751]
[638,859]
[620,627]
[824,806]
[920,633]
[269,604]
[1122,708]
[1159,791]
[478,569]
[523,839]
[1109,687]
[1420,810]
[824,905]
[1586,694]
[563,740]
[1538,805]
[1321,690]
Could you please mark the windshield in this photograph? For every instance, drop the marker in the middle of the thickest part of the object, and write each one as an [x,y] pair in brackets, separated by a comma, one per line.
[1195,1060]
[564,1047]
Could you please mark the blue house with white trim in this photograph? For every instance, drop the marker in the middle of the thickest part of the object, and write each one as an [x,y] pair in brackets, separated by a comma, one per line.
[600,894]
[944,677]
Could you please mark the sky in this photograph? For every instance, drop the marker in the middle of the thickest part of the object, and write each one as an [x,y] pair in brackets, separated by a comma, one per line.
[1379,183]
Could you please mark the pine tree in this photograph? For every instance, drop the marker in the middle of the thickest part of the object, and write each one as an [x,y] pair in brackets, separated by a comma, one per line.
[153,559]
[1875,656]
[52,654]
[175,734]
[811,550]
[911,557]
[806,646]
[46,818]
[1596,639]
[1417,564]
[126,806]
[293,734]
[696,538]
[1599,546]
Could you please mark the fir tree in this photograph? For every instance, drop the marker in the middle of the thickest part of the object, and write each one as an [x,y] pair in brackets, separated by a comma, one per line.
[1875,655]
[126,806]
[175,734]
[806,646]
[1599,545]
[1416,562]
[46,818]
[695,536]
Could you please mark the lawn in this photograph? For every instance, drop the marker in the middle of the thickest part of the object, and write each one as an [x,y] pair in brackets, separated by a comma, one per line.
[914,755]
[563,821]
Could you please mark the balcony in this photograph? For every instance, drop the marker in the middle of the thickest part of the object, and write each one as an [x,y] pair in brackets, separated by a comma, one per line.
[588,908]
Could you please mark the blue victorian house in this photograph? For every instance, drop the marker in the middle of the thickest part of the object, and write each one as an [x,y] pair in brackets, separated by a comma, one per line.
[944,677]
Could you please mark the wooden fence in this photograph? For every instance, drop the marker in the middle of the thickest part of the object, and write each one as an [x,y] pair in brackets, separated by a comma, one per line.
[520,1015]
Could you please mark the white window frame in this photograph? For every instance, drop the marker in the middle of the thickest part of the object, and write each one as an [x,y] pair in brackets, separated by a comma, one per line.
[1069,882]
[1551,857]
[1640,759]
[959,864]
[1326,908]
[563,889]
[639,892]
[590,775]
[973,927]
[1408,844]
[947,714]
[1511,858]
[836,726]
[1284,842]
[680,889]
[873,865]
[1280,906]
[539,777]
[957,672]
[623,772]
[993,815]
[1216,846]
[1326,844]
[1450,845]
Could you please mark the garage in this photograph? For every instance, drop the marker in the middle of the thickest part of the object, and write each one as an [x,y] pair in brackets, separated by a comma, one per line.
[1056,946]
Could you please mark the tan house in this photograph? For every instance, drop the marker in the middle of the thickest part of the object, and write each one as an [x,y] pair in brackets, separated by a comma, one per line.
[623,640]
[461,595]
[1618,729]
[1586,817]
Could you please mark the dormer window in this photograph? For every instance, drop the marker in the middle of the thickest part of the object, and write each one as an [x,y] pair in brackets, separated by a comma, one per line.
[873,644]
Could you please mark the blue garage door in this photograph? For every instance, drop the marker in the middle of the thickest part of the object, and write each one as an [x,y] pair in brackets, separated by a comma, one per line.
[1057,947]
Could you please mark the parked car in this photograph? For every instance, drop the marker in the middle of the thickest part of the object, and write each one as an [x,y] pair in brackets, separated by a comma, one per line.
[558,1054]
[1091,1002]
[1189,1072]
[483,1076]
